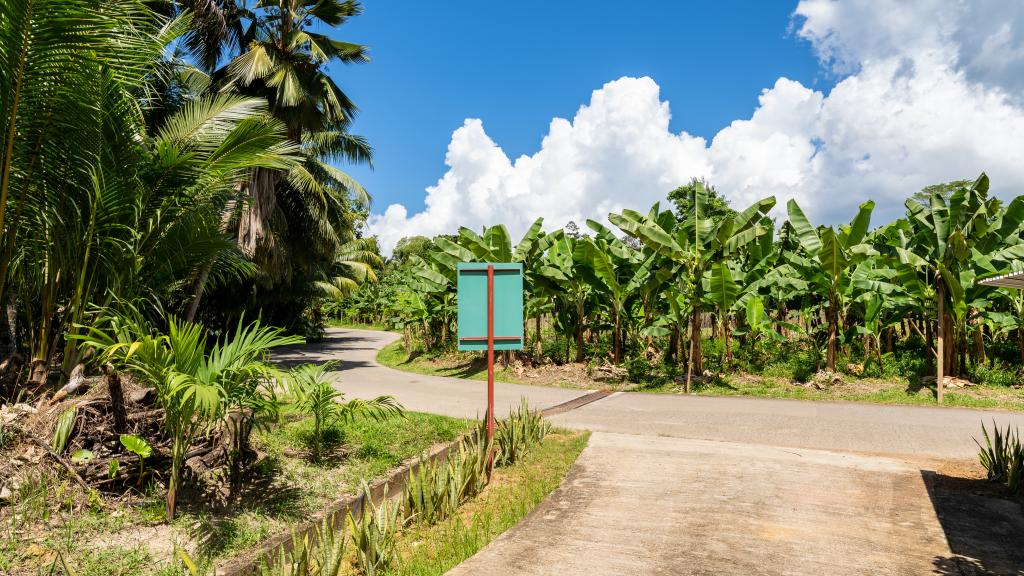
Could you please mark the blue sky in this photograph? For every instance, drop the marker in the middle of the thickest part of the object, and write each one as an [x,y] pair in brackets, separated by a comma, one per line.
[516,65]
[484,112]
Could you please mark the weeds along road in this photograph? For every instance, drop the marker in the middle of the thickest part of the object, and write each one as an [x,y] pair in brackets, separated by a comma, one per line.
[700,485]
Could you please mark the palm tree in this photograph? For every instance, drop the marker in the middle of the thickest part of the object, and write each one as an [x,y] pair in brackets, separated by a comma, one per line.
[103,204]
[285,62]
[196,382]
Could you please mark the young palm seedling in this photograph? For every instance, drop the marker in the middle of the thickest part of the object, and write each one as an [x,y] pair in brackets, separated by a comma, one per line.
[315,395]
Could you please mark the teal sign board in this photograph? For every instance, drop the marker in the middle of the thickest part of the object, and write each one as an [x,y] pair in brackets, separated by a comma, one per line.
[508,306]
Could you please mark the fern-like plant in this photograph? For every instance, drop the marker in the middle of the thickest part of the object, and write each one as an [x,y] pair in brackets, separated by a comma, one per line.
[315,395]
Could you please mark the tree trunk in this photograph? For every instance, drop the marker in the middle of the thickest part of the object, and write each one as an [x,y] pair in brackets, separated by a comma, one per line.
[538,350]
[1020,344]
[617,344]
[952,366]
[940,294]
[116,392]
[673,338]
[728,342]
[694,360]
[830,357]
[579,337]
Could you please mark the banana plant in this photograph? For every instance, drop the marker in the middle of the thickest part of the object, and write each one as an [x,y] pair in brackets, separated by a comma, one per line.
[825,259]
[942,247]
[607,266]
[693,247]
[561,274]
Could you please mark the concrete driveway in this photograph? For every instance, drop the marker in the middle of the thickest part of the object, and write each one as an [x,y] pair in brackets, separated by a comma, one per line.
[701,485]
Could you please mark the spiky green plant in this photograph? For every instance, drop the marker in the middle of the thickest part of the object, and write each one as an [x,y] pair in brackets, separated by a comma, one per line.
[997,454]
[1003,457]
[322,554]
[373,534]
[428,498]
[515,436]
[62,429]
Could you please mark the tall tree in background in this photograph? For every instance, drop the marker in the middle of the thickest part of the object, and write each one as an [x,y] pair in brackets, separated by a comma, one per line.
[293,224]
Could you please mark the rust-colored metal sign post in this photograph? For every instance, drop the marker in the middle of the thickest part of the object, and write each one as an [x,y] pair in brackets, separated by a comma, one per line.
[490,367]
[490,316]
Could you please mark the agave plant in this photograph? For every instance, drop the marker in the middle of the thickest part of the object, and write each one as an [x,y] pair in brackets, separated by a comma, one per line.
[1002,456]
[373,534]
[518,433]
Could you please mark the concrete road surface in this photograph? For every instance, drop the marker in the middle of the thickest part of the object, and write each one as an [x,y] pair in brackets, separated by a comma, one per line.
[720,486]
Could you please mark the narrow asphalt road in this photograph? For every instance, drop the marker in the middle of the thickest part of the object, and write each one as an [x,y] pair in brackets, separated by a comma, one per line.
[913,431]
[693,485]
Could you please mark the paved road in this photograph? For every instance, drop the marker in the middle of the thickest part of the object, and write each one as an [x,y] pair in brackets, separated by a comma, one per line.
[721,486]
[843,426]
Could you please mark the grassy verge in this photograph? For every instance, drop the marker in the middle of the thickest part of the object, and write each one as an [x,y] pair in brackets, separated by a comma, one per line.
[900,391]
[512,494]
[126,538]
[468,365]
[338,323]
[868,390]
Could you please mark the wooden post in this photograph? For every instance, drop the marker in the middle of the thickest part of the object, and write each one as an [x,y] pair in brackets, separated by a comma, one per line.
[490,367]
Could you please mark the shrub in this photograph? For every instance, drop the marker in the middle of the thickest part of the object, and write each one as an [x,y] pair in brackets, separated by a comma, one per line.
[992,375]
[1003,457]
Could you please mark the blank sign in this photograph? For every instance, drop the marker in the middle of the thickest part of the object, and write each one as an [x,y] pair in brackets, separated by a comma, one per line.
[508,306]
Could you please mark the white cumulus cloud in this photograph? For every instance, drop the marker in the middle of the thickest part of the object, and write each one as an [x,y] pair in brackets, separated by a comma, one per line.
[930,94]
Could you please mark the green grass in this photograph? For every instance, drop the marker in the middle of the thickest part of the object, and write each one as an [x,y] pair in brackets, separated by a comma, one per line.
[340,323]
[285,488]
[868,390]
[363,449]
[467,365]
[512,494]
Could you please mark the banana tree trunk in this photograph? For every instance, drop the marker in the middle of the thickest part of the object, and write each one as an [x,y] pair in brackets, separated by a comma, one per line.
[830,357]
[617,337]
[1020,344]
[538,350]
[728,341]
[694,360]
[940,353]
[579,332]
